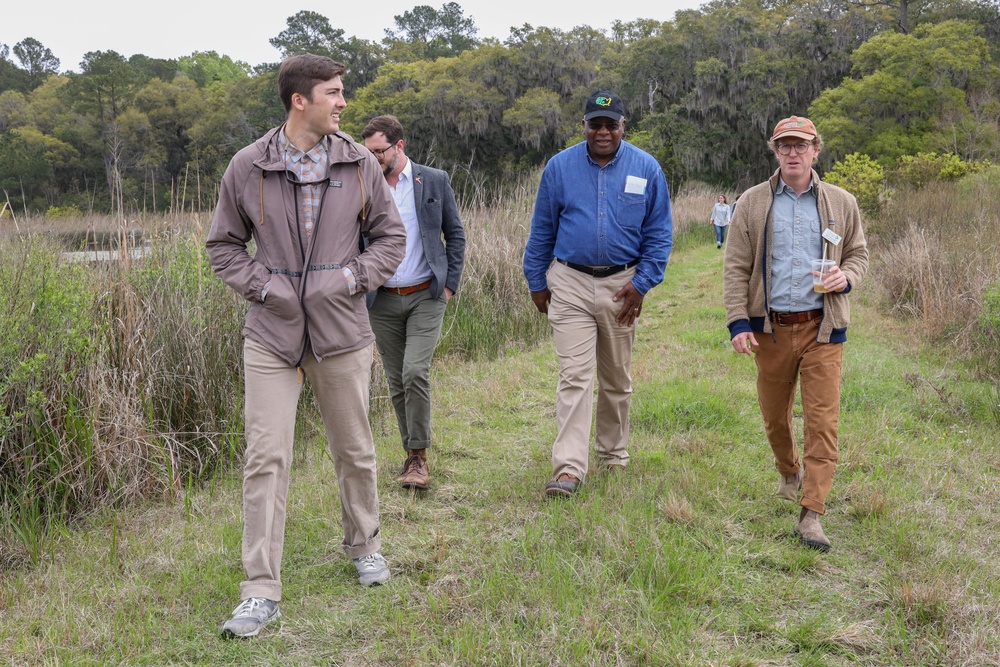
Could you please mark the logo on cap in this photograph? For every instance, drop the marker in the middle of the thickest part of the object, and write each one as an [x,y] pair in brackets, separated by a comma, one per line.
[603,101]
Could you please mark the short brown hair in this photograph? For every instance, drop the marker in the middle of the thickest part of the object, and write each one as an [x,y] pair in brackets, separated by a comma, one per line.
[300,74]
[387,125]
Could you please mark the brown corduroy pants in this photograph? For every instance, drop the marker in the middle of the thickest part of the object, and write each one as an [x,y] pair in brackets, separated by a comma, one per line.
[794,355]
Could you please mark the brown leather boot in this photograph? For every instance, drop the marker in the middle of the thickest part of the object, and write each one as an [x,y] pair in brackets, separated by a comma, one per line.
[810,532]
[415,474]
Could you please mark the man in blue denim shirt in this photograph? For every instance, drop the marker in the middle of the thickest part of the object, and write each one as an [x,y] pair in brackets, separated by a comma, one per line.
[600,237]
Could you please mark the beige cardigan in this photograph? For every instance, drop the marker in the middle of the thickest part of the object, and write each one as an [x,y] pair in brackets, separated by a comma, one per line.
[746,293]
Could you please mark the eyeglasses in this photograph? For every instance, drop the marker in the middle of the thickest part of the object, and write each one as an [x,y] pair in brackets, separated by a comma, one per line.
[380,152]
[598,125]
[786,149]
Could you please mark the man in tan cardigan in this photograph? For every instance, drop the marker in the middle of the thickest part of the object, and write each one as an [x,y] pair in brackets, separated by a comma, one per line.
[793,331]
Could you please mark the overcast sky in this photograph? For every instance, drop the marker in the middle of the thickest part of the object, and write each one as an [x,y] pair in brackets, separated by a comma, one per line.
[242,30]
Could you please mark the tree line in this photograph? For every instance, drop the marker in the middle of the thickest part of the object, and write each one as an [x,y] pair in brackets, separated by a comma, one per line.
[882,79]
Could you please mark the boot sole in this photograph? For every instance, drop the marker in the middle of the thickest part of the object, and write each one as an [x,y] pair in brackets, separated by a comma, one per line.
[812,544]
[414,485]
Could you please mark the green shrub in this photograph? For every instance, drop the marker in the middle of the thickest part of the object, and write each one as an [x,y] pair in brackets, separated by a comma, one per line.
[981,183]
[57,212]
[862,177]
[919,170]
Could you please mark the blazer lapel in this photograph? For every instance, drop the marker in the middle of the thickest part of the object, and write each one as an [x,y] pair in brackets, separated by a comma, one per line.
[418,189]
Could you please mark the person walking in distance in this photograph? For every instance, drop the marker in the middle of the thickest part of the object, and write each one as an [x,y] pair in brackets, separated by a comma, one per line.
[305,193]
[600,237]
[407,311]
[720,220]
[794,320]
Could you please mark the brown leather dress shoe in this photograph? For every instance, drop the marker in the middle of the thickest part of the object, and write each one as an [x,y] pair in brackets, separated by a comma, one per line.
[416,474]
[562,487]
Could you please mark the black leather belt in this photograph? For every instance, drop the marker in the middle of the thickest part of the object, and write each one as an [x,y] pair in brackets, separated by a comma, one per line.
[598,271]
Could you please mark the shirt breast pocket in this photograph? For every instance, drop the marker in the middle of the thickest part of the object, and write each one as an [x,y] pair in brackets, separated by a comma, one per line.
[782,237]
[631,210]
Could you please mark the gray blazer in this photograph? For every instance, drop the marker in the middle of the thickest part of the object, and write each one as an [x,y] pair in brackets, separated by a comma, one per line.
[440,228]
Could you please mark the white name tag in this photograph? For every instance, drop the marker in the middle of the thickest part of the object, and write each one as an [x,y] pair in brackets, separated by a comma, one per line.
[832,236]
[635,185]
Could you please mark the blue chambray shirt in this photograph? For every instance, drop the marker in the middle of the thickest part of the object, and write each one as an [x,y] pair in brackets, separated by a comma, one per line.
[797,240]
[586,214]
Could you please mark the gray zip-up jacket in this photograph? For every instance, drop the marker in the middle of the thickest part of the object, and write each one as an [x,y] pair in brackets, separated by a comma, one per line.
[308,306]
[747,275]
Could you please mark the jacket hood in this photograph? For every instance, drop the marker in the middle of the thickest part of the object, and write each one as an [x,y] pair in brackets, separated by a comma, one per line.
[342,148]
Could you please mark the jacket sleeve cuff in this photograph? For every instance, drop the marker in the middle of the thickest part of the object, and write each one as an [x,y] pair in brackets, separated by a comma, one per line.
[739,326]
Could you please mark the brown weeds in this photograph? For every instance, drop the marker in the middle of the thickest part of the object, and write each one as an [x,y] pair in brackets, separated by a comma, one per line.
[934,252]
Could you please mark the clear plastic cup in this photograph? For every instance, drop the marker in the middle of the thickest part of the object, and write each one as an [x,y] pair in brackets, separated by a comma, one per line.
[821,267]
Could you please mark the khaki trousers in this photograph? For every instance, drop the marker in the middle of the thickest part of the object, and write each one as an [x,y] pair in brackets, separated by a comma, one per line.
[795,354]
[582,316]
[340,385]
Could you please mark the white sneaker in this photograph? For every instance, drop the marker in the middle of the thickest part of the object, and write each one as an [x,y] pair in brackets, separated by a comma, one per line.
[250,618]
[372,569]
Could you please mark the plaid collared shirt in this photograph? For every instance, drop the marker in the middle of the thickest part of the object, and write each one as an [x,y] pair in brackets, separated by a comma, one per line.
[311,166]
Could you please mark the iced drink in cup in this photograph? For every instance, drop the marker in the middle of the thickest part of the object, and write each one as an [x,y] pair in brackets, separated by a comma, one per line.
[821,267]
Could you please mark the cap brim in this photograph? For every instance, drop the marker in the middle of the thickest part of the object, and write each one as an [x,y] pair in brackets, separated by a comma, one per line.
[603,114]
[794,133]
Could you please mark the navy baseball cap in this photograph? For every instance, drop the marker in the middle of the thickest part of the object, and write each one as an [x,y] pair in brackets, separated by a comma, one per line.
[604,104]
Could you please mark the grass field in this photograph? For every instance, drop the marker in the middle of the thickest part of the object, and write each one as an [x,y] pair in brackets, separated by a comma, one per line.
[686,559]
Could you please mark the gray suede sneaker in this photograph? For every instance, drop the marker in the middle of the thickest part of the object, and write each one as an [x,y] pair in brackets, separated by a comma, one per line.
[372,569]
[250,618]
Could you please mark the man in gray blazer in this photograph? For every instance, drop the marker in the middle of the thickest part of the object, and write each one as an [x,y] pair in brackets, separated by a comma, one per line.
[407,311]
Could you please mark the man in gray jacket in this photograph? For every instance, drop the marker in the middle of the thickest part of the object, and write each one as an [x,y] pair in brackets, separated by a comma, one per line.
[305,193]
[407,311]
[792,320]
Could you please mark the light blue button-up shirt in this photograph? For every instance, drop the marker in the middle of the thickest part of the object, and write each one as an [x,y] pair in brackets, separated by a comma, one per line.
[601,216]
[797,240]
[414,268]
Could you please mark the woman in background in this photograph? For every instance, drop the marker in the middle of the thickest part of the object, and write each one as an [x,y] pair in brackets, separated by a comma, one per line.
[721,215]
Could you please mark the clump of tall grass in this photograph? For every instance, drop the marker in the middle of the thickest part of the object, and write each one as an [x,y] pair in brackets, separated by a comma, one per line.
[934,253]
[492,311]
[119,380]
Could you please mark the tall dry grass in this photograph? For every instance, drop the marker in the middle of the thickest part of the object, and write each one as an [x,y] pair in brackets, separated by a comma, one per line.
[935,252]
[492,311]
[118,377]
